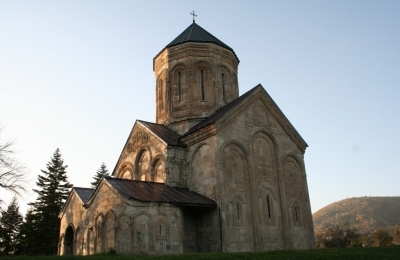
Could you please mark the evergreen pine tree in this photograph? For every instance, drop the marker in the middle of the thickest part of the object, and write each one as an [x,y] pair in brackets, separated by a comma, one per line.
[53,190]
[10,223]
[29,235]
[101,172]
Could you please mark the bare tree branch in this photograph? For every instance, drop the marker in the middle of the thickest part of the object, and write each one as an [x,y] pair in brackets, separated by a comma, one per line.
[12,172]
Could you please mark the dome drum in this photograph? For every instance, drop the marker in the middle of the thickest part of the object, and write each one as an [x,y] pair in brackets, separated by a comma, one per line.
[193,80]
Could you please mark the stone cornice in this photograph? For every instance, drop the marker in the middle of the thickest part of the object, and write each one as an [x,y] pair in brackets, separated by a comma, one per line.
[208,50]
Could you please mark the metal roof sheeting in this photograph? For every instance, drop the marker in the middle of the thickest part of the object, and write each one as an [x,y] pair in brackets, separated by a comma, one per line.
[163,132]
[158,192]
[83,193]
[195,33]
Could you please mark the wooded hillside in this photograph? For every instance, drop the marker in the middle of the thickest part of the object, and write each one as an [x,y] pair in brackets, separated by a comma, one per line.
[364,213]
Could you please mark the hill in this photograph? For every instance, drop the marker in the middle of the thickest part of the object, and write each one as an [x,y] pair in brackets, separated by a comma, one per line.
[364,213]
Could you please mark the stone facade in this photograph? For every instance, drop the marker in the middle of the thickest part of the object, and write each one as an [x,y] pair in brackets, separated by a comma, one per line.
[193,80]
[241,152]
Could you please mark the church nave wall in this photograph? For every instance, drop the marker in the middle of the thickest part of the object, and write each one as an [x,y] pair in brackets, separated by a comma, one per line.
[202,176]
[71,220]
[138,228]
[264,144]
[176,166]
[201,230]
[299,218]
[235,197]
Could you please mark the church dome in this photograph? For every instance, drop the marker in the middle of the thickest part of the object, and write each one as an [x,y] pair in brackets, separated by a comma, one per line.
[196,74]
[195,33]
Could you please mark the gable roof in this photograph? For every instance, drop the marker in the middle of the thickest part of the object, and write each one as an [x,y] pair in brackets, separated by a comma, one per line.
[221,111]
[274,109]
[164,133]
[158,192]
[83,193]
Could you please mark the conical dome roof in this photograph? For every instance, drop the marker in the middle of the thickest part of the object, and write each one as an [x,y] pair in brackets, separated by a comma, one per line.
[195,33]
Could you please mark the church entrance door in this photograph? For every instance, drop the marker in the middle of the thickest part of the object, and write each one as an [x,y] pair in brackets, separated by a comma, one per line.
[69,241]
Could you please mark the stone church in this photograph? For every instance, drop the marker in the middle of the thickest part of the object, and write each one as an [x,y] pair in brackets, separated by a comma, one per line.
[216,172]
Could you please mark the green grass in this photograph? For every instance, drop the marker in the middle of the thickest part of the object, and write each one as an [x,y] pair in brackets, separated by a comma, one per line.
[382,253]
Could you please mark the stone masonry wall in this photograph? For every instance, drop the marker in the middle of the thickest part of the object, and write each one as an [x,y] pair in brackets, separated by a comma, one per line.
[143,157]
[259,164]
[129,227]
[193,80]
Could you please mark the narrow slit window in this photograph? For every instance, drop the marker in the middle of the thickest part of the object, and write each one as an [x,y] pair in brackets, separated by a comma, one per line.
[161,231]
[268,207]
[296,214]
[237,210]
[223,85]
[161,94]
[179,86]
[202,84]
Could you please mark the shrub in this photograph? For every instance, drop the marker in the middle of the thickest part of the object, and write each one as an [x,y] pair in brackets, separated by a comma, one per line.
[338,236]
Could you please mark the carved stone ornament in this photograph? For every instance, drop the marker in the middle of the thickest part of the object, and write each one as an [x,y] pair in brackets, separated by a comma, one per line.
[129,148]
[145,138]
[140,137]
[260,114]
[249,119]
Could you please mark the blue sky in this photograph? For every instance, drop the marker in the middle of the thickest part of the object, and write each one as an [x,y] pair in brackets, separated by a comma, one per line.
[77,74]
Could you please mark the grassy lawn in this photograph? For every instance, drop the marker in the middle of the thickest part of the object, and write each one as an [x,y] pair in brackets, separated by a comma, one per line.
[383,253]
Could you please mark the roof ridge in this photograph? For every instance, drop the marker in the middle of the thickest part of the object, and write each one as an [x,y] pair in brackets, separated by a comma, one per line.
[221,111]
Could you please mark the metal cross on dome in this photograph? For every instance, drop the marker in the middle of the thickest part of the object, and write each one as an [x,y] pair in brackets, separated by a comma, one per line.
[194,15]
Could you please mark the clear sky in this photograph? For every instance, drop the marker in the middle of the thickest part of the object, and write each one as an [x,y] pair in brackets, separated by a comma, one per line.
[77,74]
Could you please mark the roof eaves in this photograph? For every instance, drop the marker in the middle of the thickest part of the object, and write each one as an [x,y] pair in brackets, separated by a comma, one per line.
[163,133]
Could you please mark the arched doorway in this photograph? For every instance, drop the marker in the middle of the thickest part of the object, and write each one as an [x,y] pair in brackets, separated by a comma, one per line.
[69,241]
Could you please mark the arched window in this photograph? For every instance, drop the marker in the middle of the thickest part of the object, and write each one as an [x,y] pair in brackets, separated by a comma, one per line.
[99,239]
[267,206]
[202,85]
[238,212]
[126,172]
[88,235]
[160,101]
[79,241]
[143,167]
[179,86]
[223,85]
[159,172]
[160,229]
[69,241]
[296,214]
